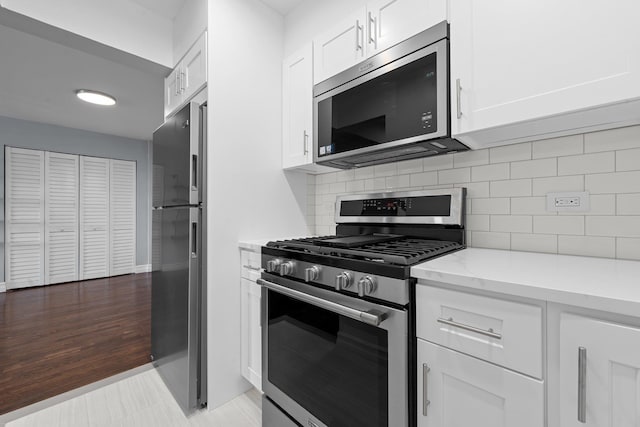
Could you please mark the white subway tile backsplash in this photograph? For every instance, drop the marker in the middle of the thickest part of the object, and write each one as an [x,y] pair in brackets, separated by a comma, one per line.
[470,158]
[628,204]
[475,189]
[613,139]
[617,182]
[511,188]
[437,162]
[556,147]
[529,206]
[587,163]
[542,186]
[558,225]
[491,206]
[490,172]
[546,243]
[512,223]
[534,168]
[506,192]
[510,153]
[483,239]
[618,226]
[628,160]
[453,176]
[604,247]
[478,223]
[423,178]
[628,248]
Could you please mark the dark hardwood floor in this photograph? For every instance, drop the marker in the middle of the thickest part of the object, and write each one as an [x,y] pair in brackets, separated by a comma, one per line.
[59,337]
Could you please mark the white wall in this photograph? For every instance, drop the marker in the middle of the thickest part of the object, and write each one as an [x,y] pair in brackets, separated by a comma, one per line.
[122,24]
[313,17]
[249,196]
[188,24]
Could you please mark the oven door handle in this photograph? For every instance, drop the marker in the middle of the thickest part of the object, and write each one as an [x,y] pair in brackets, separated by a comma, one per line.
[371,317]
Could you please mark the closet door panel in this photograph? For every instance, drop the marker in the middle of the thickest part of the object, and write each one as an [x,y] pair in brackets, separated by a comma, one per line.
[122,230]
[94,217]
[24,218]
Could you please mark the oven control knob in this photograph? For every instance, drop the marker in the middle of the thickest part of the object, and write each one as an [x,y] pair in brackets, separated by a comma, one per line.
[273,265]
[343,280]
[366,286]
[286,268]
[311,273]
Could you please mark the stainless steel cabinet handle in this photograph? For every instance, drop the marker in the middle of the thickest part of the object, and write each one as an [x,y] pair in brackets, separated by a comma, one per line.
[250,267]
[582,384]
[458,106]
[183,81]
[488,333]
[359,28]
[370,317]
[177,83]
[305,139]
[373,31]
[425,401]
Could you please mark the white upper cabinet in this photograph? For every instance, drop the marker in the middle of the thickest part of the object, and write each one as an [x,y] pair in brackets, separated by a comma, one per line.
[340,47]
[515,62]
[391,21]
[187,78]
[371,29]
[599,373]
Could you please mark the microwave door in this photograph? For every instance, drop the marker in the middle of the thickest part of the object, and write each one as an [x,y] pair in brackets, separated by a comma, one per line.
[177,160]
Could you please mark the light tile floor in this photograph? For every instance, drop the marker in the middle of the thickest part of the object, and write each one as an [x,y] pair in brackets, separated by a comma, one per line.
[141,400]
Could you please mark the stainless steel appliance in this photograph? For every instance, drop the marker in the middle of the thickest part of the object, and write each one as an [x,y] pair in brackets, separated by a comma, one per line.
[393,106]
[338,311]
[178,294]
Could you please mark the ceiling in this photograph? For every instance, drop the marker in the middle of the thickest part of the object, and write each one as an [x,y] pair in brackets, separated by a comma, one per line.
[40,77]
[167,8]
[282,6]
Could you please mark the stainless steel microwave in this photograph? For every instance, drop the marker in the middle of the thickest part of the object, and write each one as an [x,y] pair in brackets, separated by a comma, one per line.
[393,106]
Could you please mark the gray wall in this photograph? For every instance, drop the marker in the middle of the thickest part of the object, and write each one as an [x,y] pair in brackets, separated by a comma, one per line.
[39,136]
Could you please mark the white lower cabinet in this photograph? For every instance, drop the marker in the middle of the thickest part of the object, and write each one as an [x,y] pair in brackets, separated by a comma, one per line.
[456,390]
[599,373]
[250,329]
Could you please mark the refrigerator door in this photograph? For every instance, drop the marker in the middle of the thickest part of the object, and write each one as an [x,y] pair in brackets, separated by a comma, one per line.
[175,302]
[177,174]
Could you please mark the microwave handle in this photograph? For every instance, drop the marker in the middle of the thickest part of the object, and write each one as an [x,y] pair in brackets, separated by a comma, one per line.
[370,317]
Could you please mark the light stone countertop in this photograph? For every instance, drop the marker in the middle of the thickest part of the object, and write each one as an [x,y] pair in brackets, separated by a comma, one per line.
[596,283]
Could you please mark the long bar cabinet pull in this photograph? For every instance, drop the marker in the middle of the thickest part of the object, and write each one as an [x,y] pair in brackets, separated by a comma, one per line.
[425,386]
[582,384]
[488,333]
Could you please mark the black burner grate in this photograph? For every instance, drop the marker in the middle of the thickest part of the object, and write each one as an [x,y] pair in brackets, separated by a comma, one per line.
[400,251]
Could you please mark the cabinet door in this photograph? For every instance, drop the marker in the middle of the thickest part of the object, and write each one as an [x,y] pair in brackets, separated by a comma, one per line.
[94,217]
[608,355]
[194,68]
[455,390]
[172,91]
[392,21]
[251,337]
[518,61]
[297,108]
[24,218]
[61,217]
[340,47]
[122,217]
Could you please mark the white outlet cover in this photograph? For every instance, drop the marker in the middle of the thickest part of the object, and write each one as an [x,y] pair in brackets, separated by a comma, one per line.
[585,204]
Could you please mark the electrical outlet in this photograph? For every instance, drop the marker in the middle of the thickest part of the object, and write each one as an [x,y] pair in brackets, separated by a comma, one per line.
[568,202]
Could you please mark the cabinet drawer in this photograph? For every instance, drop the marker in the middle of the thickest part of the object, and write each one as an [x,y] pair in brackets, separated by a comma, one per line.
[250,262]
[506,333]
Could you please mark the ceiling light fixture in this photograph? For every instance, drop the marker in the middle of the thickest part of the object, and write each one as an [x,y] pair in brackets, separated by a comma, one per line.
[95,97]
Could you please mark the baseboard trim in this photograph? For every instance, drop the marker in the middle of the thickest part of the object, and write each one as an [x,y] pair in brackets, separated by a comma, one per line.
[3,287]
[145,268]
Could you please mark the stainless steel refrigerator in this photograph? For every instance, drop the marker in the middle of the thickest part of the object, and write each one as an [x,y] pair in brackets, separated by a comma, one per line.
[178,294]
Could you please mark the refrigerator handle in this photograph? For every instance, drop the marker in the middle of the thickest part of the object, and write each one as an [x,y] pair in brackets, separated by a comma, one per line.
[194,240]
[194,172]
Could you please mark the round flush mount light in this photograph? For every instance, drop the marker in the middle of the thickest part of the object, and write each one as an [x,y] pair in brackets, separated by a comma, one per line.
[95,97]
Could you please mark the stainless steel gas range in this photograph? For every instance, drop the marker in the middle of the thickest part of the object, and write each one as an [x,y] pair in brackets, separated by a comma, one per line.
[338,313]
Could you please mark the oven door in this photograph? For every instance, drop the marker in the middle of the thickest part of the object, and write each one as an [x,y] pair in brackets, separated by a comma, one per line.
[333,360]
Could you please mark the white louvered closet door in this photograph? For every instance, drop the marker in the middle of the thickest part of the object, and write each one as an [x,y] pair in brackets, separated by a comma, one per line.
[24,218]
[61,217]
[122,235]
[94,217]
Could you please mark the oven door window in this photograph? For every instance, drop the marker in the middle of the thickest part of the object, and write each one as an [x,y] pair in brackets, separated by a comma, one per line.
[397,105]
[334,367]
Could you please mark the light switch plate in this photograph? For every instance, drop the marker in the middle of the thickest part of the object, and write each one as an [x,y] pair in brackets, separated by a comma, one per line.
[569,201]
